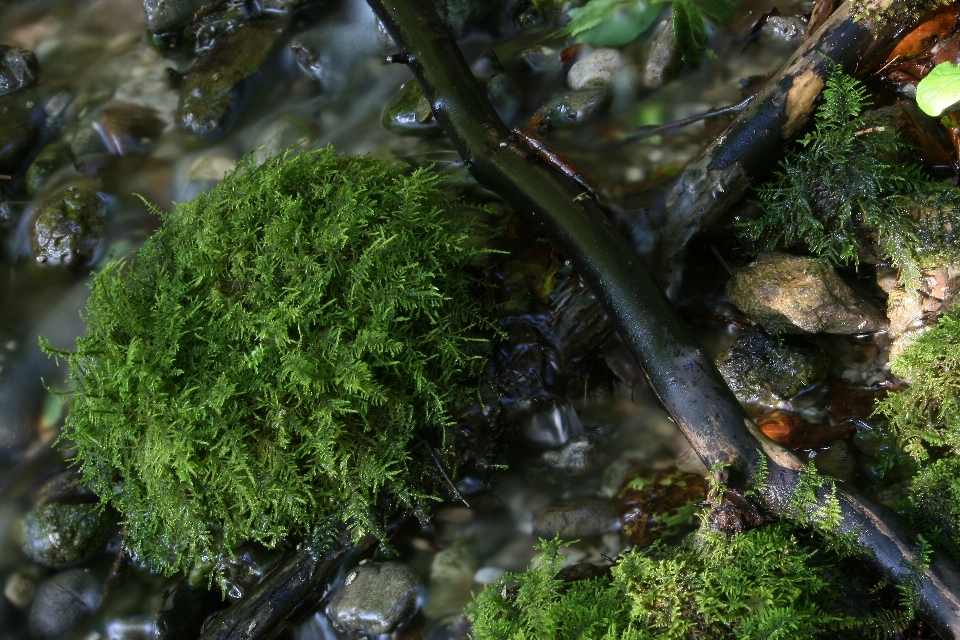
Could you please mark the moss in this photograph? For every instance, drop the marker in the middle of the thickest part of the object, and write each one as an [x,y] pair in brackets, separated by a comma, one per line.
[933,504]
[273,355]
[844,191]
[925,414]
[763,583]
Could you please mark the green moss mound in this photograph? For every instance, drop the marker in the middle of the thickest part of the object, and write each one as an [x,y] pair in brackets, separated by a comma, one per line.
[764,583]
[273,356]
[845,190]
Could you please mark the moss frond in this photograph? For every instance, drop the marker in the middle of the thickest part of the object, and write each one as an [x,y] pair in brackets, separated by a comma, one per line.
[272,354]
[763,583]
[845,190]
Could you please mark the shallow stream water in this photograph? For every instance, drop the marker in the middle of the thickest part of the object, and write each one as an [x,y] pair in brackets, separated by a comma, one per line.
[94,54]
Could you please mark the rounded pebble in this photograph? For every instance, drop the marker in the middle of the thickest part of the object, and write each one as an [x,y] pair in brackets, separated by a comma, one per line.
[63,601]
[376,598]
[595,69]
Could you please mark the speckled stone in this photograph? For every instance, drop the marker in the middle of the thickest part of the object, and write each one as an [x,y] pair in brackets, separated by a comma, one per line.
[57,535]
[376,598]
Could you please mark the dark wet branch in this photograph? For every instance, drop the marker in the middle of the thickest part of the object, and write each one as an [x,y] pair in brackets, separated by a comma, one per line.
[754,142]
[289,592]
[679,373]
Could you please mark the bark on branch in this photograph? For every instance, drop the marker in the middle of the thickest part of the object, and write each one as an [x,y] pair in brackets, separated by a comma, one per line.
[678,371]
[754,141]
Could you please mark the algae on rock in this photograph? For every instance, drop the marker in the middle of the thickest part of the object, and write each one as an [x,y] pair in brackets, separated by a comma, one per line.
[271,357]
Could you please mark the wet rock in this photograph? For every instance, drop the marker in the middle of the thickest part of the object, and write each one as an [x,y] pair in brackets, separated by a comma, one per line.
[504,97]
[312,60]
[665,60]
[281,134]
[572,457]
[913,312]
[201,174]
[18,132]
[64,487]
[19,590]
[57,535]
[128,128]
[227,18]
[51,159]
[68,228]
[285,6]
[243,571]
[765,373]
[376,598]
[577,518]
[787,29]
[409,113]
[660,504]
[18,69]
[734,514]
[801,295]
[540,62]
[217,88]
[551,426]
[597,68]
[167,15]
[10,213]
[577,106]
[837,460]
[186,609]
[62,601]
[451,580]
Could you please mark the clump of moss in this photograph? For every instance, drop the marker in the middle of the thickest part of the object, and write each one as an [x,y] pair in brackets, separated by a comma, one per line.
[933,504]
[274,353]
[925,413]
[845,191]
[762,583]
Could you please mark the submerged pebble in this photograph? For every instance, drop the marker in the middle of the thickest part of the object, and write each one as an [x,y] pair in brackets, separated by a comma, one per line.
[62,601]
[409,113]
[57,535]
[597,68]
[577,106]
[801,295]
[577,518]
[68,228]
[18,69]
[18,132]
[376,598]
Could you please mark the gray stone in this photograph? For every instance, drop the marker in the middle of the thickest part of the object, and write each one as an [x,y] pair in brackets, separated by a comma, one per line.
[376,598]
[765,373]
[504,97]
[551,426]
[19,590]
[911,313]
[597,68]
[57,535]
[68,228]
[664,60]
[408,113]
[540,62]
[282,133]
[801,295]
[577,106]
[200,174]
[787,29]
[451,580]
[18,69]
[141,628]
[218,87]
[62,601]
[18,132]
[167,15]
[577,518]
[127,128]
[573,457]
[51,159]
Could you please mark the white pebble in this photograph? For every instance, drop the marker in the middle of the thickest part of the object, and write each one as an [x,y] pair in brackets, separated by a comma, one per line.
[595,69]
[488,575]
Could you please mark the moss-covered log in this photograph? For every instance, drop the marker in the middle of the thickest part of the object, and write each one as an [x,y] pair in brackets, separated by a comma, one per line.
[756,139]
[681,375]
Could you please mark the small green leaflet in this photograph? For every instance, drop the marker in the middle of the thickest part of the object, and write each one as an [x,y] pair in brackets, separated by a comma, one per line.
[940,90]
[616,22]
[605,23]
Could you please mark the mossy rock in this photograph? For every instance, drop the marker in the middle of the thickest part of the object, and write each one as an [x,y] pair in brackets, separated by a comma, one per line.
[271,357]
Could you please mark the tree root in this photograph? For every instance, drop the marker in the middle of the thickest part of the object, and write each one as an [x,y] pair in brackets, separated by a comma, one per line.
[678,371]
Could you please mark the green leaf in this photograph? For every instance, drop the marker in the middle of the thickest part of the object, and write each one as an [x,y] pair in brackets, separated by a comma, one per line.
[604,23]
[689,28]
[719,10]
[940,90]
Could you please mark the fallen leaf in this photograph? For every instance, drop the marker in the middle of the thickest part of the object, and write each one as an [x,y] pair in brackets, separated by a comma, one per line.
[924,36]
[822,10]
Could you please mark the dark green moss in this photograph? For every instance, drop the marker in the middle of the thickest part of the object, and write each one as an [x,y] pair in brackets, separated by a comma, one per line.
[274,353]
[845,191]
[763,583]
